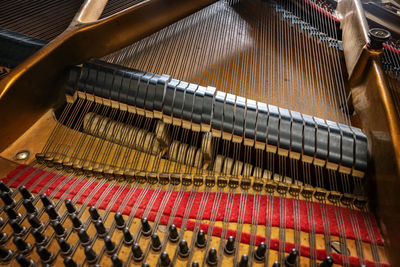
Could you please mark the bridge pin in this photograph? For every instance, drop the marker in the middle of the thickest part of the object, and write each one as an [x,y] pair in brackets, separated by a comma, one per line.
[119,220]
[173,233]
[90,254]
[51,211]
[22,246]
[75,221]
[244,261]
[137,252]
[4,188]
[128,238]
[146,228]
[12,214]
[100,228]
[17,228]
[212,257]
[29,207]
[24,192]
[5,255]
[155,242]
[260,252]
[45,255]
[327,262]
[290,260]
[117,262]
[165,261]
[45,200]
[201,239]
[230,245]
[40,239]
[7,199]
[69,262]
[110,245]
[183,249]
[34,221]
[83,237]
[58,228]
[24,261]
[65,247]
[70,206]
[94,213]
[3,238]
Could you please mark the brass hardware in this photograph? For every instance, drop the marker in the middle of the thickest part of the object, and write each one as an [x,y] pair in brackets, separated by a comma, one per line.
[22,155]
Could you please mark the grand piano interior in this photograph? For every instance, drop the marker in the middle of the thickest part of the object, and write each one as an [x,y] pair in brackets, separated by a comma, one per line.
[200,133]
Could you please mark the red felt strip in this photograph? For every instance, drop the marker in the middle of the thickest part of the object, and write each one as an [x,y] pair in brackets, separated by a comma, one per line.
[305,251]
[207,214]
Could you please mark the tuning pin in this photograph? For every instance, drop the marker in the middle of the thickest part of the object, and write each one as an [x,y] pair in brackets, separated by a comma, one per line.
[195,264]
[260,252]
[24,192]
[17,228]
[119,220]
[5,255]
[51,211]
[35,222]
[183,249]
[22,246]
[94,214]
[100,228]
[128,238]
[70,206]
[146,228]
[164,259]
[28,205]
[276,264]
[45,255]
[155,242]
[201,239]
[173,233]
[58,228]
[4,188]
[90,254]
[12,214]
[1,222]
[24,262]
[40,239]
[145,264]
[212,259]
[117,262]
[3,238]
[244,261]
[110,245]
[230,245]
[83,237]
[69,262]
[65,247]
[290,260]
[45,200]
[137,252]
[75,221]
[7,199]
[328,262]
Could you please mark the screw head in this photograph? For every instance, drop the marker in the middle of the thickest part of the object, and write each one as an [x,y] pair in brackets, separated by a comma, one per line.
[22,155]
